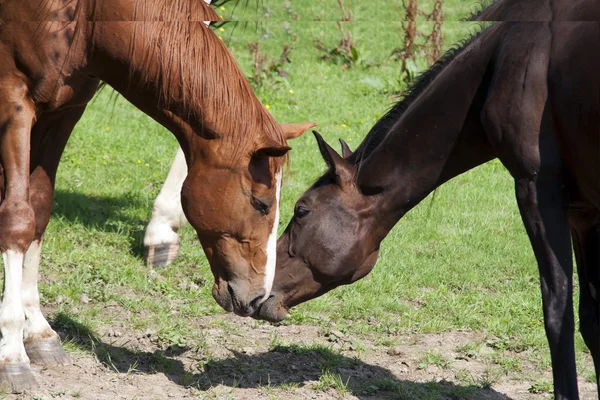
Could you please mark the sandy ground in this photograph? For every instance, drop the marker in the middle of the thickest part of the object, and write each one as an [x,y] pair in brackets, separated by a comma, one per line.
[263,361]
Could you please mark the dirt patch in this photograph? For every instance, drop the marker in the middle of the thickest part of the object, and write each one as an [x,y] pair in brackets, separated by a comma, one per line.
[256,361]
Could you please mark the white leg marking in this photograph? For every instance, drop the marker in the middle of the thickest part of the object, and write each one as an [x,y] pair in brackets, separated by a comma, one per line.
[272,242]
[12,316]
[36,326]
[167,214]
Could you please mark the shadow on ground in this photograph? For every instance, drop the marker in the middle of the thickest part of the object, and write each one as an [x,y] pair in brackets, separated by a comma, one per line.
[315,368]
[104,213]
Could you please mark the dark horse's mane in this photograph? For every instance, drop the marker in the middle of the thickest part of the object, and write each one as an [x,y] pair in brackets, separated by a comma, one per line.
[380,130]
[480,8]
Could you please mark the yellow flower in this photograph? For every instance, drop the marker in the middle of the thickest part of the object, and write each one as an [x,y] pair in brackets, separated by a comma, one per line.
[221,30]
[291,91]
[344,125]
[222,8]
[139,161]
[220,38]
[267,106]
[147,165]
[107,128]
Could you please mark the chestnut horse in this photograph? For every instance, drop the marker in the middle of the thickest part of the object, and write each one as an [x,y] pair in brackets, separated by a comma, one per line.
[161,57]
[527,93]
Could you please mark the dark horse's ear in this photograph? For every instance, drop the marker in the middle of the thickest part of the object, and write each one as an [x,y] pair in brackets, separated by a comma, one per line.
[346,152]
[337,165]
[271,148]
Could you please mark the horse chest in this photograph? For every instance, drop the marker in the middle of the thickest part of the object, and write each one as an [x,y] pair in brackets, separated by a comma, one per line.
[60,80]
[53,94]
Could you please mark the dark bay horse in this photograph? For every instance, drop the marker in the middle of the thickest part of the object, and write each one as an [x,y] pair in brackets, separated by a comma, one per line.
[527,93]
[161,56]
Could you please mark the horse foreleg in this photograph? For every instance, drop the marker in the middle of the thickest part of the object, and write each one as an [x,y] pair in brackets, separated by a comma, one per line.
[17,229]
[586,242]
[42,344]
[41,341]
[161,242]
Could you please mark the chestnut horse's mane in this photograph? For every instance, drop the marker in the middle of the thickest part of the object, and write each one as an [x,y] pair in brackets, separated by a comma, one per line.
[193,69]
[195,66]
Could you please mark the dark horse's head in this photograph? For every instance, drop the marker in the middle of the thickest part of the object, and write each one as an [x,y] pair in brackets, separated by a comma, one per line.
[332,239]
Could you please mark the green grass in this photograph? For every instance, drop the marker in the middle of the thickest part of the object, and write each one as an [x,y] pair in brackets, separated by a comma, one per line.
[328,10]
[434,358]
[462,261]
[333,381]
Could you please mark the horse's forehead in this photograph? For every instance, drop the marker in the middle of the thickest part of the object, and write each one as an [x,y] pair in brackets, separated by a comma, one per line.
[346,196]
[324,193]
[226,170]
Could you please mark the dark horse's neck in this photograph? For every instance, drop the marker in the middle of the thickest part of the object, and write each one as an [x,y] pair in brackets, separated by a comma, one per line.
[438,136]
[162,57]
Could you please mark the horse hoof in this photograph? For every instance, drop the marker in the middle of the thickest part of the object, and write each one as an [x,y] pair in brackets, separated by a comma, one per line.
[16,377]
[161,255]
[46,352]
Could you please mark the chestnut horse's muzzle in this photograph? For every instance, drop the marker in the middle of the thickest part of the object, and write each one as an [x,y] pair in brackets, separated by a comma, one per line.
[238,297]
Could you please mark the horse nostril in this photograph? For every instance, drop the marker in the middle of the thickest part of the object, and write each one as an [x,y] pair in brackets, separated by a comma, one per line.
[242,305]
[257,301]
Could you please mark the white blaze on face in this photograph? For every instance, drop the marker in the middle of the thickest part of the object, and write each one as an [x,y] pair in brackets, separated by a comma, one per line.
[272,241]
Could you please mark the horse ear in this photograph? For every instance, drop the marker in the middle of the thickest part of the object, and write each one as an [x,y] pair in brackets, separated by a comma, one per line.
[271,148]
[337,165]
[292,131]
[346,152]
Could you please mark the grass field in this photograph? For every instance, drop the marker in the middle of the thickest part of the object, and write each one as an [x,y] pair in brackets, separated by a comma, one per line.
[460,263]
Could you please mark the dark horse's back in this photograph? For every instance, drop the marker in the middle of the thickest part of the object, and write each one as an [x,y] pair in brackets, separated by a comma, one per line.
[541,10]
[574,99]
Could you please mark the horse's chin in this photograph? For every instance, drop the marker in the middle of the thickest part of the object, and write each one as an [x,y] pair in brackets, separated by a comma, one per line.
[271,310]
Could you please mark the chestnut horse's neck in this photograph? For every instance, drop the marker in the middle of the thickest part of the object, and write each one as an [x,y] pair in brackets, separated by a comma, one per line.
[165,55]
[434,138]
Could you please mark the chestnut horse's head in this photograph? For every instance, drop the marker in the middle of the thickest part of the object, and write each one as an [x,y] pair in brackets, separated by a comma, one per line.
[233,146]
[331,240]
[232,201]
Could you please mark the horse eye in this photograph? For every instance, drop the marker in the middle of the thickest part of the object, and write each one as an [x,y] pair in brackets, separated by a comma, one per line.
[260,206]
[300,212]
